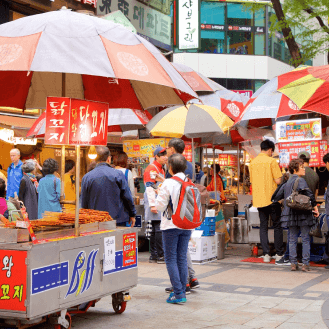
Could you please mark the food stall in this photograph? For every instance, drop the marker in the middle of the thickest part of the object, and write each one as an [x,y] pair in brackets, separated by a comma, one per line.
[64,263]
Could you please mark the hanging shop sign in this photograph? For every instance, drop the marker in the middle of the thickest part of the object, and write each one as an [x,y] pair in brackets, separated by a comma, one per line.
[188,24]
[149,23]
[227,160]
[75,122]
[299,130]
[245,28]
[143,148]
[247,93]
[289,151]
[242,1]
[8,136]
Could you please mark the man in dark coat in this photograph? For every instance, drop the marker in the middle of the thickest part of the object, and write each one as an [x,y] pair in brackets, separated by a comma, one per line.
[106,189]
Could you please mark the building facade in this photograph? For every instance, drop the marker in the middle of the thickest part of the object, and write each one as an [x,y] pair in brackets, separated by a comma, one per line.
[236,48]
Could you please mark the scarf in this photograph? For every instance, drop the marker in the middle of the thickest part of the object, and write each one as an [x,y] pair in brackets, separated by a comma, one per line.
[33,179]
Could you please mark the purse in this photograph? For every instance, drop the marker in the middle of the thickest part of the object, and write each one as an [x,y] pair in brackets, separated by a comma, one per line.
[298,201]
[316,229]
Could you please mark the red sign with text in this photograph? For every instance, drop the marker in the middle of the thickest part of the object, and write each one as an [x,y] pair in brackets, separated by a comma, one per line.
[57,120]
[247,93]
[228,160]
[188,152]
[129,249]
[13,280]
[88,123]
[76,122]
[316,149]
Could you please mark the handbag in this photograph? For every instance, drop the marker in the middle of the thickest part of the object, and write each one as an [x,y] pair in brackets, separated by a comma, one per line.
[298,201]
[316,228]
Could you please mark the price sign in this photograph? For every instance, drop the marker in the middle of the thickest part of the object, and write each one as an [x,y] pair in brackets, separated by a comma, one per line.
[109,253]
[129,249]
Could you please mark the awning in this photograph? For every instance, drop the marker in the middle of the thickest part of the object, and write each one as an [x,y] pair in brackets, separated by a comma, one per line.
[12,122]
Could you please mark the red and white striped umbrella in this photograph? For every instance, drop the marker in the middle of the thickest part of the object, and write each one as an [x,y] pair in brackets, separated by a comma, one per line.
[64,53]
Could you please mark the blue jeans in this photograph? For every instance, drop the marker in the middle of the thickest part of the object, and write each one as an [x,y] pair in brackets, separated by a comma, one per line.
[175,244]
[306,239]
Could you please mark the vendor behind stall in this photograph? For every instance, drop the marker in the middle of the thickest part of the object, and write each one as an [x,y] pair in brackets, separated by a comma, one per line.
[219,183]
[106,189]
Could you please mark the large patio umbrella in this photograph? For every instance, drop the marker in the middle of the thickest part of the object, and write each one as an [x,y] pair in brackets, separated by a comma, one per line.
[193,121]
[212,93]
[266,106]
[307,87]
[63,53]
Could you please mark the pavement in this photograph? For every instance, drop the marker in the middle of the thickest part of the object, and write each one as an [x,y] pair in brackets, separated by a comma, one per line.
[232,294]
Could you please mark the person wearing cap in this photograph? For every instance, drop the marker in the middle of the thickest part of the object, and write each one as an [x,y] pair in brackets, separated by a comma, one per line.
[153,177]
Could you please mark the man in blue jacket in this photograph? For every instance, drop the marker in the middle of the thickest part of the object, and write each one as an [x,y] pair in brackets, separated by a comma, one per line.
[106,189]
[15,173]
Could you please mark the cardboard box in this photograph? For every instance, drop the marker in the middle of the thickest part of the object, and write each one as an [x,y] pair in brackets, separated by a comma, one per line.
[201,249]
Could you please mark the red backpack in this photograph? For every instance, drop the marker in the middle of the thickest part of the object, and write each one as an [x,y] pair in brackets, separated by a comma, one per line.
[188,214]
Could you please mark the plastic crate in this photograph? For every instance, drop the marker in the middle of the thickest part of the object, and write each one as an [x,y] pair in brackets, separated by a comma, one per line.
[208,230]
[209,221]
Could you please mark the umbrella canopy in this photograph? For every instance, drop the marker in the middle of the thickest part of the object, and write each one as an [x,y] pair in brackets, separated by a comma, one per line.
[102,61]
[212,93]
[307,87]
[266,106]
[192,121]
[119,120]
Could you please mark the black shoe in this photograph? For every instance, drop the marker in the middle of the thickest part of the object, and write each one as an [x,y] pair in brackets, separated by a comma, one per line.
[283,262]
[161,260]
[169,290]
[187,292]
[194,283]
[321,262]
[152,260]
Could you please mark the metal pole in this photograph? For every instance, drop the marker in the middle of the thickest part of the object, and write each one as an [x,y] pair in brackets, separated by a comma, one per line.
[63,146]
[77,190]
[238,167]
[193,160]
[244,171]
[214,165]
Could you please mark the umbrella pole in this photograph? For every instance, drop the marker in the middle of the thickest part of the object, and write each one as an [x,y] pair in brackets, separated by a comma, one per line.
[244,172]
[214,165]
[63,148]
[238,167]
[193,160]
[77,190]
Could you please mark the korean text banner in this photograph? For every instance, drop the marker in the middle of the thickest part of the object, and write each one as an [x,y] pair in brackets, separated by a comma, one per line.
[142,148]
[299,130]
[228,160]
[316,149]
[188,24]
[75,122]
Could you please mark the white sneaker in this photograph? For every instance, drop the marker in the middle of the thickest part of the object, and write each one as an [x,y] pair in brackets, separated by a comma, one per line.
[267,258]
[277,257]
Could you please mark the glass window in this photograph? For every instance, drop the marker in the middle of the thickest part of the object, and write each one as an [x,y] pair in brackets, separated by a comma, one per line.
[259,43]
[240,43]
[237,15]
[213,42]
[212,13]
[259,83]
[260,17]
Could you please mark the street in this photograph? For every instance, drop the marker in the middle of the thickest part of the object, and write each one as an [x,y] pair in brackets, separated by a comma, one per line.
[232,294]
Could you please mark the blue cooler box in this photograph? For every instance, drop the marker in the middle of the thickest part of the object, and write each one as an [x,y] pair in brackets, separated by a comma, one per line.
[208,226]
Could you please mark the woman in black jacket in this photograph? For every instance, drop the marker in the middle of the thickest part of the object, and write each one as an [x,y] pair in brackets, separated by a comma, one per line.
[297,220]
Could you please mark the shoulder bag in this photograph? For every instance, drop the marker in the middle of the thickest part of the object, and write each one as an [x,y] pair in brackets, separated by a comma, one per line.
[298,201]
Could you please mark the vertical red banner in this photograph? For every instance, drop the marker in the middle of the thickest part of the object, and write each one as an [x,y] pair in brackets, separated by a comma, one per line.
[188,152]
[13,280]
[88,123]
[57,120]
[129,249]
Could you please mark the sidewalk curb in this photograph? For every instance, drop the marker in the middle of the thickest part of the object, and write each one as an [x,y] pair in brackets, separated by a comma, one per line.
[325,312]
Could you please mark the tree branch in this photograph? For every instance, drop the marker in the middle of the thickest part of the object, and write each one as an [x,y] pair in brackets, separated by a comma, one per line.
[324,26]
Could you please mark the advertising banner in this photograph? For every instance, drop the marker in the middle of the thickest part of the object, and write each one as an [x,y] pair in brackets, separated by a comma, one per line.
[188,24]
[13,280]
[143,147]
[228,160]
[299,130]
[289,151]
[129,249]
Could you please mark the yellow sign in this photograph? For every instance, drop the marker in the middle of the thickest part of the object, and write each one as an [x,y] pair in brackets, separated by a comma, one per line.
[143,147]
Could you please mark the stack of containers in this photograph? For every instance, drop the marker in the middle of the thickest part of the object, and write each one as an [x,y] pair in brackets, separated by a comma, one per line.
[208,226]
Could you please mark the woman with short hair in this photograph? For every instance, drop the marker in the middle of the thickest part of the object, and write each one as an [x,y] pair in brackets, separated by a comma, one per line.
[49,189]
[297,220]
[28,189]
[121,162]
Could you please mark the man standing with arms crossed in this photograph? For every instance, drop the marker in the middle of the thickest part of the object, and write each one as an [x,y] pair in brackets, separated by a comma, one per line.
[265,175]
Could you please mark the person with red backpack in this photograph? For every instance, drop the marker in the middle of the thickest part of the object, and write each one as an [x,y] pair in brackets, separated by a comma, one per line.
[179,200]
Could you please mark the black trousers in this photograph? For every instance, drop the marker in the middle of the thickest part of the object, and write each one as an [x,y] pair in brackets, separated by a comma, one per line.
[156,240]
[273,210]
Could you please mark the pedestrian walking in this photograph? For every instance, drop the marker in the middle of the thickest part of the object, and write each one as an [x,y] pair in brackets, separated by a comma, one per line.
[175,240]
[298,220]
[219,183]
[121,162]
[49,189]
[14,173]
[265,175]
[28,189]
[105,188]
[6,207]
[153,177]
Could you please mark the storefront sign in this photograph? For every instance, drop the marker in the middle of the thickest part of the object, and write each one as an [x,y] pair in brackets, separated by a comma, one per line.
[188,152]
[214,27]
[148,22]
[7,135]
[247,93]
[256,1]
[129,249]
[188,24]
[109,254]
[161,5]
[299,130]
[88,123]
[75,122]
[13,280]
[228,160]
[57,120]
[246,28]
[289,151]
[143,147]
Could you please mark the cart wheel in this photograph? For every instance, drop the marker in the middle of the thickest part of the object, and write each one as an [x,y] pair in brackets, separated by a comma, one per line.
[119,307]
[68,318]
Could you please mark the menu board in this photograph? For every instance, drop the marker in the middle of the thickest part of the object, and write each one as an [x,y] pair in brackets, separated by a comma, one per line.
[289,151]
[143,148]
[228,160]
[299,130]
